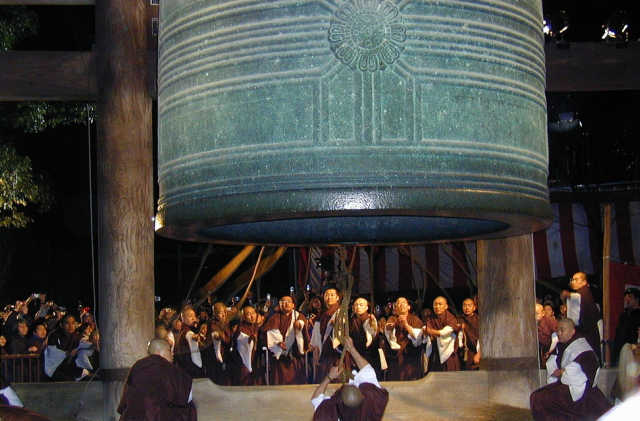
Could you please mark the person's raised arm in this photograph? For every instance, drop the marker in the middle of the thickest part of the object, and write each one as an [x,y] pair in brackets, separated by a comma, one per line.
[359,359]
[334,372]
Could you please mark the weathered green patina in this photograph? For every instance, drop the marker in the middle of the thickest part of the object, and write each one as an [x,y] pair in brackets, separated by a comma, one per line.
[358,121]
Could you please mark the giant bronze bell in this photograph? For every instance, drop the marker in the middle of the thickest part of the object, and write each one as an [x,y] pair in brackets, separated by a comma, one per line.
[351,121]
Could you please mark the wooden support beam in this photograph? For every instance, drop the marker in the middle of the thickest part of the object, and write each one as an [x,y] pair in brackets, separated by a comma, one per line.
[592,66]
[47,76]
[125,190]
[47,2]
[506,294]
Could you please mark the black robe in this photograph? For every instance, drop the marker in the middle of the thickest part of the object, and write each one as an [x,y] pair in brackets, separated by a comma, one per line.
[156,390]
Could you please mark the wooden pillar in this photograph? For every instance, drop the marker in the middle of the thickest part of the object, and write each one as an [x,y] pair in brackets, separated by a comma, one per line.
[125,190]
[506,294]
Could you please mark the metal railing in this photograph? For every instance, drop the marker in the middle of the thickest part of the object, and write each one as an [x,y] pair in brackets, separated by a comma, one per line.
[21,368]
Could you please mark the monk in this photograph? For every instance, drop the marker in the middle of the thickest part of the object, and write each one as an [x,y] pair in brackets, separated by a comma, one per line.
[244,367]
[469,337]
[287,340]
[157,390]
[547,339]
[363,329]
[442,329]
[582,309]
[402,343]
[217,345]
[187,347]
[363,399]
[323,343]
[570,393]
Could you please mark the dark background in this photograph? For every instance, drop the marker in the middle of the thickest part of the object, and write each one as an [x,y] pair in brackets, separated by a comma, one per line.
[55,253]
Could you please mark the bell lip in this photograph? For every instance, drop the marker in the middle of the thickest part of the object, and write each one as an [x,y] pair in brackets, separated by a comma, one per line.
[511,225]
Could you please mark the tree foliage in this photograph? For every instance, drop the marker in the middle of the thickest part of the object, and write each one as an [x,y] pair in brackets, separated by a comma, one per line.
[20,189]
[16,24]
[36,117]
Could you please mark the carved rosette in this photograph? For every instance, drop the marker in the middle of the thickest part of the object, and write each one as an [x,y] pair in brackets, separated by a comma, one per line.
[367,34]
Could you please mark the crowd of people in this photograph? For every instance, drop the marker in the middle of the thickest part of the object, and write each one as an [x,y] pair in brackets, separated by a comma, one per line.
[286,343]
[68,345]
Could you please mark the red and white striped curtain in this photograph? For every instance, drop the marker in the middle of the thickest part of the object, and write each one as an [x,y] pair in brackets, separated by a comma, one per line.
[574,241]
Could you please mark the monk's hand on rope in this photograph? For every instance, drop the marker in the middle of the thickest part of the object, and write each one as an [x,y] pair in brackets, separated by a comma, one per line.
[335,372]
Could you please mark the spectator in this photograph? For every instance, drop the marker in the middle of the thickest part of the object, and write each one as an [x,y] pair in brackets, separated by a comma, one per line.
[61,351]
[19,342]
[628,323]
[38,338]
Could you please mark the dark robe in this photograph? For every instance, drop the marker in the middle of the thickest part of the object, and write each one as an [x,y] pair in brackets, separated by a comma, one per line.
[371,409]
[438,323]
[588,322]
[546,327]
[240,374]
[156,390]
[329,356]
[359,336]
[182,354]
[553,402]
[626,331]
[471,334]
[37,342]
[290,368]
[67,342]
[217,371]
[18,345]
[404,363]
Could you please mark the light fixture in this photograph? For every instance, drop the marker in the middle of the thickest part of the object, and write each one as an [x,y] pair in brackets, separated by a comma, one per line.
[617,29]
[555,27]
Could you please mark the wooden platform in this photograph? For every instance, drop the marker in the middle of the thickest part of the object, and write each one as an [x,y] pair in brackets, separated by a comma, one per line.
[457,396]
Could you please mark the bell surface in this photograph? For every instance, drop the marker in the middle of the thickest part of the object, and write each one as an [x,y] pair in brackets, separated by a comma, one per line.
[344,122]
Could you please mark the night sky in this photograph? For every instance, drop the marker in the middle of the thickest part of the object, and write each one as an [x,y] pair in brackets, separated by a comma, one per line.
[54,254]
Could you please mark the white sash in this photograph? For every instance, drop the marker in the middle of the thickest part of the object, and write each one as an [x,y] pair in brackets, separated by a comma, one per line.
[196,358]
[573,307]
[316,340]
[274,338]
[446,343]
[245,346]
[573,375]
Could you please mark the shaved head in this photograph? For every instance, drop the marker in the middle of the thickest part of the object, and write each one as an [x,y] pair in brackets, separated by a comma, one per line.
[351,396]
[160,347]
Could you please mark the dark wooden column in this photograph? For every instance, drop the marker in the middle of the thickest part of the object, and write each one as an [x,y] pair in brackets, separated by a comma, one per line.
[125,189]
[509,341]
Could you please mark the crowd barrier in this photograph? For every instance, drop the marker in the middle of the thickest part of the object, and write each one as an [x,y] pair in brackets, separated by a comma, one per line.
[22,368]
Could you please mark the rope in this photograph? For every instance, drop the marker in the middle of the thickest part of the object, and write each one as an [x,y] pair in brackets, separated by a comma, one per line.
[341,324]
